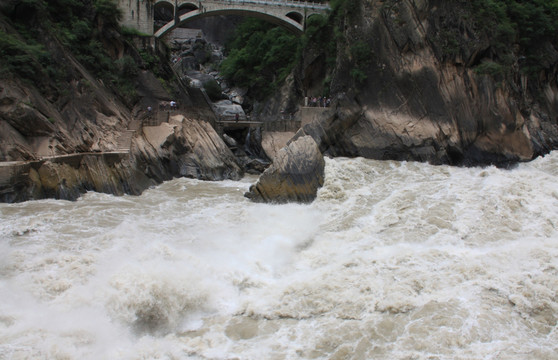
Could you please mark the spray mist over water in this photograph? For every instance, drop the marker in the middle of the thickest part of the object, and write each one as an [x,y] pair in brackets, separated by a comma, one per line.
[393,260]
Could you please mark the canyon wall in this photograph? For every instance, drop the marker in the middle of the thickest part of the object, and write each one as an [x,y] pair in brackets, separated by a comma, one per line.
[426,98]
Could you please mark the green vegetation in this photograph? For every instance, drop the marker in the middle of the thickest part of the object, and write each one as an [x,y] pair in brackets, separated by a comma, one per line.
[329,33]
[360,54]
[20,57]
[260,56]
[527,24]
[107,11]
[344,8]
[83,27]
[448,40]
[319,31]
[213,90]
[129,31]
[491,68]
[80,25]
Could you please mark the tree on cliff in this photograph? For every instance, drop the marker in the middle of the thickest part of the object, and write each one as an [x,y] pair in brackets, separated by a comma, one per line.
[36,34]
[260,56]
[516,28]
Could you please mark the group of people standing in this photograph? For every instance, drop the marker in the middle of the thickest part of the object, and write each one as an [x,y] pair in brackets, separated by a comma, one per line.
[163,106]
[168,105]
[320,101]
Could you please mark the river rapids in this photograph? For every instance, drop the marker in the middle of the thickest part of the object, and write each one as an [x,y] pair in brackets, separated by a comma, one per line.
[394,260]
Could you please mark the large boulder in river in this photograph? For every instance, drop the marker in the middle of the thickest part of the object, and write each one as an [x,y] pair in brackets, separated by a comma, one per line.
[296,174]
[298,168]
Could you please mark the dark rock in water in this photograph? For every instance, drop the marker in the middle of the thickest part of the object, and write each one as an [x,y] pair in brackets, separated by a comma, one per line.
[297,171]
[296,174]
[256,166]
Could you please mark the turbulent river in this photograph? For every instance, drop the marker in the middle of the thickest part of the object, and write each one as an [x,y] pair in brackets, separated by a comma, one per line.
[394,260]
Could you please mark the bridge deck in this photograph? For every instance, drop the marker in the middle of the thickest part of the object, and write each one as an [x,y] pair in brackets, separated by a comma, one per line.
[283,3]
[290,14]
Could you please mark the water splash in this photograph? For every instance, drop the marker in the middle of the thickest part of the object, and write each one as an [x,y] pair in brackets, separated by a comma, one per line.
[393,260]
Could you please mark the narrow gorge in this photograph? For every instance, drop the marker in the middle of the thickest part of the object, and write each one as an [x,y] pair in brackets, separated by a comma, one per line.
[83,103]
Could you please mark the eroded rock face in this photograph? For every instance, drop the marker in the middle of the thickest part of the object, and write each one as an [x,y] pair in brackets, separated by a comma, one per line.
[185,147]
[69,177]
[181,148]
[333,123]
[296,174]
[442,123]
[272,142]
[33,127]
[422,98]
[227,110]
[60,138]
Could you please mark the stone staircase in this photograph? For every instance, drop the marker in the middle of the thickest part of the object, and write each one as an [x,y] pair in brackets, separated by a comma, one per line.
[124,141]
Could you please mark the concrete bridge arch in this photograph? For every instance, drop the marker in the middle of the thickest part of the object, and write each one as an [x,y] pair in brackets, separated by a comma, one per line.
[290,14]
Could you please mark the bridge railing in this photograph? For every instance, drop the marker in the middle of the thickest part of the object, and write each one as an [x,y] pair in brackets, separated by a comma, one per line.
[290,3]
[232,118]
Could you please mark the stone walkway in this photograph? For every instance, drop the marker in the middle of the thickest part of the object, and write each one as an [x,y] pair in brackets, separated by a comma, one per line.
[123,144]
[155,119]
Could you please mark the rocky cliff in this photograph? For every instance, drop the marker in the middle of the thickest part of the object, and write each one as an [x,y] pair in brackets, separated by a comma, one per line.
[181,147]
[426,80]
[74,119]
[448,82]
[423,101]
[435,82]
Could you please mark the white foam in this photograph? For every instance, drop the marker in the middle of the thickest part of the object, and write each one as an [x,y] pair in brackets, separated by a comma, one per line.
[393,260]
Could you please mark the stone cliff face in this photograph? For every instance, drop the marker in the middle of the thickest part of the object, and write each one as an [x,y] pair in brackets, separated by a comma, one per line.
[62,136]
[407,87]
[88,118]
[182,147]
[421,101]
[405,78]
